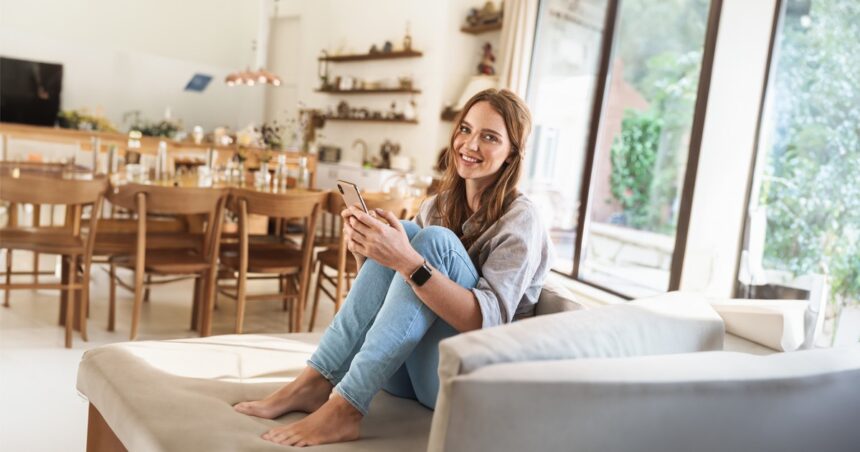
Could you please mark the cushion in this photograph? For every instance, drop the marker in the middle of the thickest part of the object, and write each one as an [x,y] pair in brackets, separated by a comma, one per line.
[777,324]
[178,395]
[669,323]
[703,402]
[555,298]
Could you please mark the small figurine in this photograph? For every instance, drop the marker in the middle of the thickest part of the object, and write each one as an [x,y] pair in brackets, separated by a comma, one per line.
[343,109]
[374,49]
[407,40]
[387,47]
[485,67]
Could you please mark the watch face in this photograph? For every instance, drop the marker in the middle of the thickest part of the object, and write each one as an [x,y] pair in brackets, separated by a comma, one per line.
[421,275]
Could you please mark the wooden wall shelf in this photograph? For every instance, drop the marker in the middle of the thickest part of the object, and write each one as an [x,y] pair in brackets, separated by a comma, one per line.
[369,91]
[372,56]
[400,121]
[478,29]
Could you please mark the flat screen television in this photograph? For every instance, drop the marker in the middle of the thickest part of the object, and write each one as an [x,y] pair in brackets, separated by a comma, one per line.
[30,91]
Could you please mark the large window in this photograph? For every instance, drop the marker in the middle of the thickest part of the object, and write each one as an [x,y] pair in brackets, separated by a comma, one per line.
[614,94]
[561,95]
[804,207]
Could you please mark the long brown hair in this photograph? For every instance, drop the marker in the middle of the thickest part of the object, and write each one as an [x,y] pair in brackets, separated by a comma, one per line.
[451,204]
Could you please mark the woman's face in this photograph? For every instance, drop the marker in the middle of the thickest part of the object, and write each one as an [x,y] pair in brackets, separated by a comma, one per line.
[481,143]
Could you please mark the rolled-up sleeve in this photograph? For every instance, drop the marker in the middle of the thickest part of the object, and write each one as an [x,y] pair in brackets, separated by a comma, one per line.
[507,272]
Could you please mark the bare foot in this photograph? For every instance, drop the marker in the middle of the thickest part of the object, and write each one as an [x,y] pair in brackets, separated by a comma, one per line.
[306,393]
[336,421]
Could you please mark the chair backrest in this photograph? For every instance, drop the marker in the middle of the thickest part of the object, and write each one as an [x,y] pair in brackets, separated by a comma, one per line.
[293,204]
[146,199]
[31,189]
[168,200]
[403,208]
[288,204]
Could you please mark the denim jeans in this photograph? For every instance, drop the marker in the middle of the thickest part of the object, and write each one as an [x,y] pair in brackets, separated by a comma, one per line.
[384,337]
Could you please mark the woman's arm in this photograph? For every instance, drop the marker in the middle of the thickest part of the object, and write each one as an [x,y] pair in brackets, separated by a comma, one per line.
[387,243]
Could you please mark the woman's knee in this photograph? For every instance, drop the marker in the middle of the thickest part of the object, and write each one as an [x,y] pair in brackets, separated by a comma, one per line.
[433,236]
[411,228]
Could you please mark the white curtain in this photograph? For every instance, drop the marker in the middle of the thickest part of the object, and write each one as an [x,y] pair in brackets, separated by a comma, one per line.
[515,51]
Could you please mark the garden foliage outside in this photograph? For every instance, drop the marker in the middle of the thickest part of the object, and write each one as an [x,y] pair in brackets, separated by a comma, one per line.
[811,180]
[660,44]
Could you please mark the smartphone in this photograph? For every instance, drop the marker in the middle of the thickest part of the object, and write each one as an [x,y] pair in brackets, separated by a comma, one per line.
[351,194]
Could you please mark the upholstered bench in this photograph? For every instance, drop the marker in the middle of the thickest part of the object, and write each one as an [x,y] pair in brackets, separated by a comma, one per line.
[177,395]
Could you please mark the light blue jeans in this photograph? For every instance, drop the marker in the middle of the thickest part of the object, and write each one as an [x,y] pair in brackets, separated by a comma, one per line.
[384,337]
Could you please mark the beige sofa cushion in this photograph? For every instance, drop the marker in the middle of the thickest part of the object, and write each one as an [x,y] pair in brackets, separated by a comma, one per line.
[669,323]
[703,402]
[178,395]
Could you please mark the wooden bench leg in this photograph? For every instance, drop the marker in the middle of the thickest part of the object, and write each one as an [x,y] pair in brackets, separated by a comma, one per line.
[100,437]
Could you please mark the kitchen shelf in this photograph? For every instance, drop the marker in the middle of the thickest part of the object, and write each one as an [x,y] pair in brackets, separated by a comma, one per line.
[372,56]
[369,91]
[478,29]
[401,121]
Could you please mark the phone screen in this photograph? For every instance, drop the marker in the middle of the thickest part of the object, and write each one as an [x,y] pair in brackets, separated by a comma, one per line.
[351,194]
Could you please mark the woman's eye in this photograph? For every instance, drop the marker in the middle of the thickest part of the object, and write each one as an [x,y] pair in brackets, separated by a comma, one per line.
[489,137]
[464,129]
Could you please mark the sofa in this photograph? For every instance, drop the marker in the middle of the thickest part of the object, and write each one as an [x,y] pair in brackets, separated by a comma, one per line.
[648,375]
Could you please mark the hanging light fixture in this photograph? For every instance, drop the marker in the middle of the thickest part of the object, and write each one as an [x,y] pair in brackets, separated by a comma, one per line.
[248,77]
[261,76]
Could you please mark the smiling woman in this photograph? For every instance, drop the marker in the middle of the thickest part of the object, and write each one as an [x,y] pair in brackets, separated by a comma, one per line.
[475,257]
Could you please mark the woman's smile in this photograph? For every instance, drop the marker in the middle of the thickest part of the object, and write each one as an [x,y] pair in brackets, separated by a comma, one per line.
[470,160]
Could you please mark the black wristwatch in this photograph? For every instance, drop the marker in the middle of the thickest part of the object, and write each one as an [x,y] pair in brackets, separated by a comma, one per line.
[420,276]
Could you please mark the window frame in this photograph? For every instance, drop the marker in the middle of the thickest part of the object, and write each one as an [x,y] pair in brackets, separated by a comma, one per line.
[694,149]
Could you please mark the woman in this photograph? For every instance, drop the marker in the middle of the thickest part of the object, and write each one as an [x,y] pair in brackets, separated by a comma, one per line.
[476,257]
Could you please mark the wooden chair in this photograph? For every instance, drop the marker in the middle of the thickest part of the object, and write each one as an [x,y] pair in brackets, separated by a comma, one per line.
[198,261]
[67,241]
[283,263]
[336,258]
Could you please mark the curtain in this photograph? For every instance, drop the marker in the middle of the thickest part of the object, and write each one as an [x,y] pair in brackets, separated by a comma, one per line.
[515,50]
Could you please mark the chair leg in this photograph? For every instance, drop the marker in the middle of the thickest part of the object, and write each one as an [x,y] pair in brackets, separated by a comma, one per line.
[316,297]
[64,294]
[8,277]
[68,302]
[209,301]
[112,299]
[146,289]
[37,220]
[195,308]
[241,284]
[138,302]
[85,300]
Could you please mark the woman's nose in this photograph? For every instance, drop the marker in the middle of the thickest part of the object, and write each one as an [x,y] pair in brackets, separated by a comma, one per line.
[472,144]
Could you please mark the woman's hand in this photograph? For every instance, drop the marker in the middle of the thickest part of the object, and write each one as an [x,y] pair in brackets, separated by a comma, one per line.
[348,234]
[382,239]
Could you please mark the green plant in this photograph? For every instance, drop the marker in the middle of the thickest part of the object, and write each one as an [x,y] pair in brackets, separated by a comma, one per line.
[633,157]
[82,120]
[166,128]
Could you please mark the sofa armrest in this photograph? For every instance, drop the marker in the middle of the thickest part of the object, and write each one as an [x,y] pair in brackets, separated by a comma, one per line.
[714,401]
[669,323]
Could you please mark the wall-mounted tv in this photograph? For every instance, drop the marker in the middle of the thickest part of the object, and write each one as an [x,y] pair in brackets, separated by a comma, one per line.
[30,91]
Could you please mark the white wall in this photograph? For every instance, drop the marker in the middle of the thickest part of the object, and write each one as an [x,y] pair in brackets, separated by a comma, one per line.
[450,56]
[138,55]
[716,222]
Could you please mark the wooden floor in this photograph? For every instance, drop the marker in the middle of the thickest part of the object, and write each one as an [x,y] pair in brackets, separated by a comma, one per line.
[39,407]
